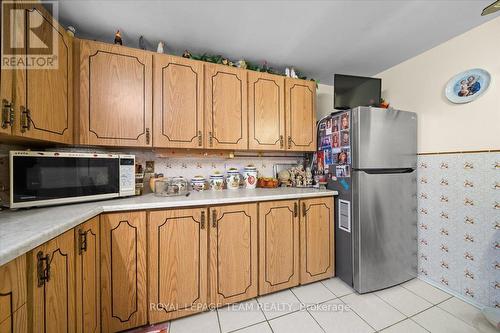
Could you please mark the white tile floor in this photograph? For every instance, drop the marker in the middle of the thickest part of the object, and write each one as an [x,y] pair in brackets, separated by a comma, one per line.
[332,306]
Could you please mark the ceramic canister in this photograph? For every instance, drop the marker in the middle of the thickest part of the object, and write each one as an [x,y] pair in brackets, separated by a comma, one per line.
[216,181]
[198,183]
[233,179]
[250,176]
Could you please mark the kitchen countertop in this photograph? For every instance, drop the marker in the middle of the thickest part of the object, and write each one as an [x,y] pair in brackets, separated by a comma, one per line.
[24,230]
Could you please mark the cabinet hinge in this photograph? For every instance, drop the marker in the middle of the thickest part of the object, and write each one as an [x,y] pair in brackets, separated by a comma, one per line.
[202,223]
[43,271]
[7,114]
[82,241]
[200,139]
[295,209]
[148,136]
[25,119]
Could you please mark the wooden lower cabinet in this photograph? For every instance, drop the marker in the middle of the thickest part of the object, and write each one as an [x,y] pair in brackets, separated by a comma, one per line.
[177,263]
[123,270]
[88,314]
[278,245]
[51,286]
[316,239]
[233,253]
[13,312]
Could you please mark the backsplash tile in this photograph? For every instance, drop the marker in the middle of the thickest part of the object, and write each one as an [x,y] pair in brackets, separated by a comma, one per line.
[459,223]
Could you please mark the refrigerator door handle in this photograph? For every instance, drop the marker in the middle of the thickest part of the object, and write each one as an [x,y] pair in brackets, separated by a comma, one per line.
[386,171]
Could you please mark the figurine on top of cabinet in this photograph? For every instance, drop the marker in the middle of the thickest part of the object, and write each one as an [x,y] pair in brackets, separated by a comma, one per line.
[118,38]
[142,43]
[309,177]
[159,49]
[71,31]
[242,64]
[187,54]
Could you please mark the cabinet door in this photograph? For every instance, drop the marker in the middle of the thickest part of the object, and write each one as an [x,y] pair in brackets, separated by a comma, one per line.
[52,285]
[177,254]
[44,101]
[115,95]
[87,277]
[266,111]
[300,115]
[178,102]
[278,245]
[226,107]
[316,239]
[233,253]
[123,271]
[13,312]
[6,90]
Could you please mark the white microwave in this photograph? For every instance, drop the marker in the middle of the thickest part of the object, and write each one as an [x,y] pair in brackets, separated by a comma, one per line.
[40,178]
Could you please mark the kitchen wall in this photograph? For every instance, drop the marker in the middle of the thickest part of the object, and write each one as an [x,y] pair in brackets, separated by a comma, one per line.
[458,193]
[324,100]
[418,85]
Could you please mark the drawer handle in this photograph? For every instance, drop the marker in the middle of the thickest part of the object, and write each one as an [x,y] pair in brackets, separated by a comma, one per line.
[295,209]
[200,139]
[210,139]
[289,142]
[148,136]
[281,141]
[304,212]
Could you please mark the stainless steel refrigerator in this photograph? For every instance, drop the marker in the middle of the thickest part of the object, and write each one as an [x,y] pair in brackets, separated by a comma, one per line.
[373,167]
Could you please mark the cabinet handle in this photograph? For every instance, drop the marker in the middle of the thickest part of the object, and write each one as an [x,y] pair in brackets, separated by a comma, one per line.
[210,139]
[82,241]
[281,141]
[304,209]
[148,136]
[295,209]
[25,119]
[200,139]
[289,142]
[7,114]
[214,218]
[43,273]
[202,223]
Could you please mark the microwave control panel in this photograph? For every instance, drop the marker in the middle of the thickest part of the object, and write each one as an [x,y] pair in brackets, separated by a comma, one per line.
[127,175]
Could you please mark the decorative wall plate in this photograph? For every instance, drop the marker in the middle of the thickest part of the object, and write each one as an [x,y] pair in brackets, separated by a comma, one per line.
[467,86]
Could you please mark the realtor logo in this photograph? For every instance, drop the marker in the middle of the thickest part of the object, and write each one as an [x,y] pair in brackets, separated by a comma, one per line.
[29,35]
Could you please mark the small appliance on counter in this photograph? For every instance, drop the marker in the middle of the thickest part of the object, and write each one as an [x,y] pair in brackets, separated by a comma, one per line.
[42,178]
[369,156]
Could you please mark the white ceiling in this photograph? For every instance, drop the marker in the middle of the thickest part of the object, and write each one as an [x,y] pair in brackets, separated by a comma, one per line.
[319,38]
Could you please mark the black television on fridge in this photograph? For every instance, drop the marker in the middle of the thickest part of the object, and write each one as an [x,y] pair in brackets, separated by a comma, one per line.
[353,91]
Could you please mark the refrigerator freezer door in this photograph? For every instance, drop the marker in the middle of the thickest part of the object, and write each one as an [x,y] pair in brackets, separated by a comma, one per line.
[384,229]
[383,139]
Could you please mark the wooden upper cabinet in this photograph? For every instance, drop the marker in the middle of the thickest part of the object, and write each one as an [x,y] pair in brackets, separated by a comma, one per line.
[278,245]
[88,292]
[178,102]
[316,239]
[13,309]
[177,254]
[44,95]
[300,107]
[266,111]
[233,253]
[123,271]
[7,115]
[51,285]
[226,110]
[114,95]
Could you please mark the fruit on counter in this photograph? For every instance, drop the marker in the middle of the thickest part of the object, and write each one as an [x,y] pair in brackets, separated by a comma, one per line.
[267,182]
